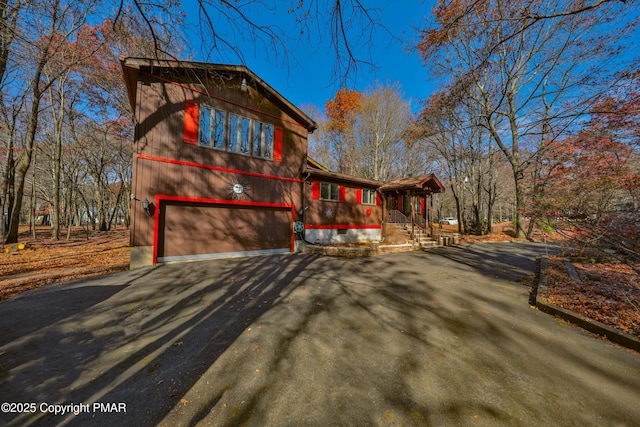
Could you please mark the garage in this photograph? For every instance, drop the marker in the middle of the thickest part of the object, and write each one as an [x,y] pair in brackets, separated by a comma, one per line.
[189,230]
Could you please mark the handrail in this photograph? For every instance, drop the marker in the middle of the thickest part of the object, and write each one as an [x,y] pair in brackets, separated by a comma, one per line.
[396,217]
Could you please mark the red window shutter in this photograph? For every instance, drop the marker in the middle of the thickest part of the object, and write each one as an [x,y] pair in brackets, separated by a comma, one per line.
[315,190]
[342,193]
[191,122]
[277,144]
[400,207]
[378,199]
[358,196]
[422,206]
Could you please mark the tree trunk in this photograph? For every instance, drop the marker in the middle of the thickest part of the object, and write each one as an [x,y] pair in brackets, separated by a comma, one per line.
[9,182]
[25,161]
[56,173]
[520,201]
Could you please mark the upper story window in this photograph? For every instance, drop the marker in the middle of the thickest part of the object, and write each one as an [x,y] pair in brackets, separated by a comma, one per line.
[263,137]
[209,127]
[368,197]
[219,126]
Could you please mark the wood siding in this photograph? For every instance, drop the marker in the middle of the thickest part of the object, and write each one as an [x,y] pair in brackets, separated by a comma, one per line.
[166,166]
[350,212]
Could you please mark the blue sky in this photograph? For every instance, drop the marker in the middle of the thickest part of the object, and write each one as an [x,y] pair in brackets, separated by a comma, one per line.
[306,77]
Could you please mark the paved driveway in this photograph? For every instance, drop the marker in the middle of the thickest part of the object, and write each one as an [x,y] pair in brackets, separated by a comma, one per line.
[444,337]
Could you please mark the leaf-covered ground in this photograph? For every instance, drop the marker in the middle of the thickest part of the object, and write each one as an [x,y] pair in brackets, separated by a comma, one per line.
[45,261]
[608,292]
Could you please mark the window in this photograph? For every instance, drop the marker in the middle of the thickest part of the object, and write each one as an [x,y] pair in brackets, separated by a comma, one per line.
[211,127]
[208,127]
[233,132]
[205,126]
[245,128]
[263,140]
[267,141]
[218,129]
[257,137]
[368,197]
[329,191]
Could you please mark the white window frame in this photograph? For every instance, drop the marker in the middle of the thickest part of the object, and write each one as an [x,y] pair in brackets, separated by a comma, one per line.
[248,136]
[326,189]
[368,197]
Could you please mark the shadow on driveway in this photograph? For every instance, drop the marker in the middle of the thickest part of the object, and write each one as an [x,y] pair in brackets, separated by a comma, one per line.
[421,338]
[505,260]
[156,332]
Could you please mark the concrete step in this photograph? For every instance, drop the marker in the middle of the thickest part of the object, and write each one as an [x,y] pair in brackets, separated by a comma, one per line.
[428,244]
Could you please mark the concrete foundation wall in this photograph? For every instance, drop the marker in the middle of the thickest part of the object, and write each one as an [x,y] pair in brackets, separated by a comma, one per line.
[141,256]
[351,235]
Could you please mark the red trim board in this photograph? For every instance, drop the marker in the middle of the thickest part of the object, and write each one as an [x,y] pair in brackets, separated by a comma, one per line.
[341,227]
[215,168]
[160,198]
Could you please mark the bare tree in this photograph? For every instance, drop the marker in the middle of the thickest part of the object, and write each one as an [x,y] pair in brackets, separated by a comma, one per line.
[531,78]
[48,26]
[342,26]
[380,128]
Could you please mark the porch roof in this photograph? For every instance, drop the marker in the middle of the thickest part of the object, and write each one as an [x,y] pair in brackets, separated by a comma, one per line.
[423,184]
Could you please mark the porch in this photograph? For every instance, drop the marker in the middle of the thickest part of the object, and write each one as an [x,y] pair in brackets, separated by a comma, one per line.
[408,206]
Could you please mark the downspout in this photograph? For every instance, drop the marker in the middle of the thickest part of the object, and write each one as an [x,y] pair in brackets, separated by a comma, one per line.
[301,235]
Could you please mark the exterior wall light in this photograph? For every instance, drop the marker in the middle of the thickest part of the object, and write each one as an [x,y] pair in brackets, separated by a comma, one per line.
[243,86]
[147,207]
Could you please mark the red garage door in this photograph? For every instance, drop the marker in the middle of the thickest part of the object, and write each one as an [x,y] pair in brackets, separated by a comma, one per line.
[190,230]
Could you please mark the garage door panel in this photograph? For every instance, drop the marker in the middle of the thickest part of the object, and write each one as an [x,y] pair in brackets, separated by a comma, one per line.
[192,229]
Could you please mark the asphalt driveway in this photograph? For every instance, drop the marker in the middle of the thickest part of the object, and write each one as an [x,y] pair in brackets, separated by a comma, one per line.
[444,337]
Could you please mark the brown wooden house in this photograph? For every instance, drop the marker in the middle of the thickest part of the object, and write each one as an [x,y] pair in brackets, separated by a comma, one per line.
[340,208]
[217,162]
[220,169]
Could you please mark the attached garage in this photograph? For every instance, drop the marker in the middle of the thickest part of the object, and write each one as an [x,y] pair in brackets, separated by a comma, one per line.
[189,229]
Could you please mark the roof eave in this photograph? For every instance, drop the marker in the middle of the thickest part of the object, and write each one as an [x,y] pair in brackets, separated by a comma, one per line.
[335,176]
[428,184]
[131,67]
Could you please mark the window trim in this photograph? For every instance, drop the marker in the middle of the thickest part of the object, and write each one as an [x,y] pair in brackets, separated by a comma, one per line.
[372,195]
[260,140]
[330,198]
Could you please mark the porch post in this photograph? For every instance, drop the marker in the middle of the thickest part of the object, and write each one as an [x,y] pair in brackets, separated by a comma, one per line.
[383,200]
[426,210]
[413,215]
[431,214]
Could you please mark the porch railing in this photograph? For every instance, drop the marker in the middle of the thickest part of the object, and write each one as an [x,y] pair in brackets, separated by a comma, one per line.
[396,217]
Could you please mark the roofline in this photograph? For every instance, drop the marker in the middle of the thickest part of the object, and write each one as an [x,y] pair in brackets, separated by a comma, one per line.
[317,164]
[131,68]
[437,188]
[334,176]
